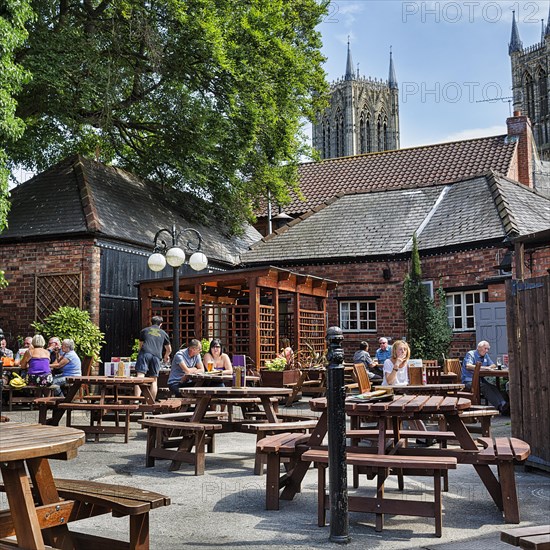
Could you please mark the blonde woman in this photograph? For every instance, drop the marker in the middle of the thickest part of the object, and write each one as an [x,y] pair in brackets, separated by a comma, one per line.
[396,372]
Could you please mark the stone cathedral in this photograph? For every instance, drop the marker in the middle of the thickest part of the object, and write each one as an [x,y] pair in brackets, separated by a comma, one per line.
[530,67]
[363,116]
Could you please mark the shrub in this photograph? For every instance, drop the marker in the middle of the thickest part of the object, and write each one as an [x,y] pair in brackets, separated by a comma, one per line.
[74,323]
[277,364]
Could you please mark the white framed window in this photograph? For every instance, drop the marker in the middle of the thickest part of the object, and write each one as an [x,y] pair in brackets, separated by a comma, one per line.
[358,316]
[460,308]
[429,287]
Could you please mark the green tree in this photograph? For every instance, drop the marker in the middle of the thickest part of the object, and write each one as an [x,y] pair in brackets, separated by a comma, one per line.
[428,332]
[203,95]
[13,16]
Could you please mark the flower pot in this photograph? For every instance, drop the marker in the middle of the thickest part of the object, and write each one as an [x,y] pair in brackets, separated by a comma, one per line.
[278,379]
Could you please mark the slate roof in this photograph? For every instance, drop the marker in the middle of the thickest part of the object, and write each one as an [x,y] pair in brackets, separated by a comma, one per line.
[471,212]
[414,167]
[82,197]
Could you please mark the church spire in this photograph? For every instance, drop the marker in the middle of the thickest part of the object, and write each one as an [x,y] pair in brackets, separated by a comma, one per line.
[515,41]
[392,79]
[349,65]
[548,24]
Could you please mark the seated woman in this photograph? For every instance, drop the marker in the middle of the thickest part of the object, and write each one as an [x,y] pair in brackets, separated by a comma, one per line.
[396,372]
[68,365]
[215,355]
[37,362]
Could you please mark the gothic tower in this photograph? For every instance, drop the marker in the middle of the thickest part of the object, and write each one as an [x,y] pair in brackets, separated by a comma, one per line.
[530,68]
[363,115]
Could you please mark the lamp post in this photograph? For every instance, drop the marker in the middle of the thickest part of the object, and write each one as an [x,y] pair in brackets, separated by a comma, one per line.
[175,257]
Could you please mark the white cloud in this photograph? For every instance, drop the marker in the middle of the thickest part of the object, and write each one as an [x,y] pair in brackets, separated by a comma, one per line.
[473,133]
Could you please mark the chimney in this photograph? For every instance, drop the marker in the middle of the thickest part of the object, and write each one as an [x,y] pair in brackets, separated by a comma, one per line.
[519,128]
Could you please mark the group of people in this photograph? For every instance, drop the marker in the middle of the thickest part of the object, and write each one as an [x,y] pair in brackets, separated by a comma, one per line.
[45,366]
[394,368]
[155,346]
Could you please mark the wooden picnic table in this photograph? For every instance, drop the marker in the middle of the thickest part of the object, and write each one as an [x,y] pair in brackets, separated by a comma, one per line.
[245,398]
[312,379]
[424,389]
[30,446]
[503,453]
[200,378]
[111,399]
[499,374]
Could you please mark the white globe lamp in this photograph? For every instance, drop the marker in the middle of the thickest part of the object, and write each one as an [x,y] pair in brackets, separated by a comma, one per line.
[175,257]
[156,262]
[198,261]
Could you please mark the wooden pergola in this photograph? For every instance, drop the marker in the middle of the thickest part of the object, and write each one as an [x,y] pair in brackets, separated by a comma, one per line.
[250,310]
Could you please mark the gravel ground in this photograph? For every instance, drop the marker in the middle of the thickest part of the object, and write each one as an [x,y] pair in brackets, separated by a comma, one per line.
[226,505]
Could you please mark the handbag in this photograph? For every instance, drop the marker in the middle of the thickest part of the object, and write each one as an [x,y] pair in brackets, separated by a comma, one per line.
[16,381]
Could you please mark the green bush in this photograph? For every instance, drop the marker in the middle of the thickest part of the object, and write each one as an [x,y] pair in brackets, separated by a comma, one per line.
[277,364]
[74,323]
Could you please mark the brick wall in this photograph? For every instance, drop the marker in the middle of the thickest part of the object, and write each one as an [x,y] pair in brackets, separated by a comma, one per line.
[23,261]
[522,169]
[537,261]
[470,268]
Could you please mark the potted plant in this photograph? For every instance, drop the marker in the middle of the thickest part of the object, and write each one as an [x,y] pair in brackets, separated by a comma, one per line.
[276,373]
[74,323]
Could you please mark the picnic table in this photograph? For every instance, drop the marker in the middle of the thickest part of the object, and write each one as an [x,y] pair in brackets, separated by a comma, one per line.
[201,378]
[30,446]
[311,378]
[110,400]
[41,507]
[425,389]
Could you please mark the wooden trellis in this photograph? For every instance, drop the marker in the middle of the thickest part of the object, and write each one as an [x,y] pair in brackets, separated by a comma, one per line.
[56,290]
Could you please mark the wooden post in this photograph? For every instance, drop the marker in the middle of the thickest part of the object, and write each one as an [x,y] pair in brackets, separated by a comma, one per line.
[254,324]
[198,311]
[275,295]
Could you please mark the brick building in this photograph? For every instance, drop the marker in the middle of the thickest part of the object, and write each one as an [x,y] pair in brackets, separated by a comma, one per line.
[363,240]
[80,233]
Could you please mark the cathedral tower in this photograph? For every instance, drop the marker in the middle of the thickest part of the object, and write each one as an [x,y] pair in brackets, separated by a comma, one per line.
[363,115]
[530,68]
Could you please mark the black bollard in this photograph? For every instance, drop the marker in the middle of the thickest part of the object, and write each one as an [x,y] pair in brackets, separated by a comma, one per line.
[338,479]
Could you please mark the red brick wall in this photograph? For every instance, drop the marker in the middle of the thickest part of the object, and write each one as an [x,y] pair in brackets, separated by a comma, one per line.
[537,261]
[520,126]
[23,260]
[359,280]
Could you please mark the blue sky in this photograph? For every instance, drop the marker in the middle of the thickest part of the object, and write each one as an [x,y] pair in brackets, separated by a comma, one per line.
[448,55]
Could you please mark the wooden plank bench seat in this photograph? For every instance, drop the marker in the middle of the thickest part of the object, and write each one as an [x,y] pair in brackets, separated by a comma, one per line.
[284,447]
[535,538]
[44,405]
[10,544]
[165,434]
[97,415]
[26,395]
[85,499]
[270,428]
[381,464]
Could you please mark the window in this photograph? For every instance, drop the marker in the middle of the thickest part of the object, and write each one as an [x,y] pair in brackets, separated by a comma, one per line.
[429,287]
[358,316]
[460,308]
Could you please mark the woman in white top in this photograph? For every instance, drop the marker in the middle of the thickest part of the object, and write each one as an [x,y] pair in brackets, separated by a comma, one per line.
[396,372]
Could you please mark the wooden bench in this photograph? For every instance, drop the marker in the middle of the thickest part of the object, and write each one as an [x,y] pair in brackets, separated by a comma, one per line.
[381,465]
[266,429]
[86,499]
[165,434]
[535,538]
[44,405]
[284,447]
[97,412]
[16,395]
[481,415]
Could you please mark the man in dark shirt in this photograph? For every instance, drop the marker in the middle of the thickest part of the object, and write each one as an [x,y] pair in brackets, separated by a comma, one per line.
[362,356]
[154,344]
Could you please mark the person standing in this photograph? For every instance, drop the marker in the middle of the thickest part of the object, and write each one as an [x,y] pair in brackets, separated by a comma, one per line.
[186,361]
[488,390]
[154,345]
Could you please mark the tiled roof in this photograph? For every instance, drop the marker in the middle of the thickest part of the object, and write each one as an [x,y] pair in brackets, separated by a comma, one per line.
[473,211]
[80,196]
[414,167]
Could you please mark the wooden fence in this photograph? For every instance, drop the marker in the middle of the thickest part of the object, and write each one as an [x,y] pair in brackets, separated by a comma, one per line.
[528,321]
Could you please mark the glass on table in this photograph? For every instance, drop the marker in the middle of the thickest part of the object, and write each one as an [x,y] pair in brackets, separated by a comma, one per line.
[210,366]
[499,362]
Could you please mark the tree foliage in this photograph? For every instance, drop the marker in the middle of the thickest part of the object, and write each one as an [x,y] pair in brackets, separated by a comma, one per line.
[203,95]
[13,16]
[428,332]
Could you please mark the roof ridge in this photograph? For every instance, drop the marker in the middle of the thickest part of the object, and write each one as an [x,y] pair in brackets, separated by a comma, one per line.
[503,207]
[402,149]
[91,216]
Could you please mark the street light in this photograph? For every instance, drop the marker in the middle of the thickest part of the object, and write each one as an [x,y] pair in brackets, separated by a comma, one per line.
[175,257]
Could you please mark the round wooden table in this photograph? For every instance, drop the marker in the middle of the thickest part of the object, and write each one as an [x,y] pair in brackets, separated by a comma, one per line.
[28,447]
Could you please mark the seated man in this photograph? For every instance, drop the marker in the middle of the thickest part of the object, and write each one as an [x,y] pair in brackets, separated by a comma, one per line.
[186,361]
[362,356]
[488,390]
[383,352]
[27,343]
[4,351]
[68,365]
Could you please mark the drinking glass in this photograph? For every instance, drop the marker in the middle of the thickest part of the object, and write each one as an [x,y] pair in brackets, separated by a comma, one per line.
[499,362]
[210,366]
